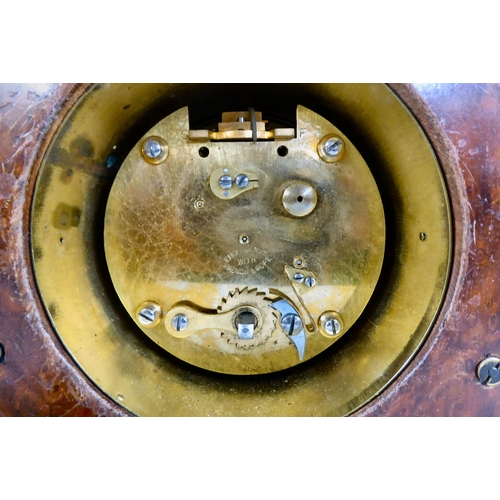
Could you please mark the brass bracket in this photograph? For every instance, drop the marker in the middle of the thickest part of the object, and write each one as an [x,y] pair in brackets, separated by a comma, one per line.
[301,286]
[242,126]
[196,321]
[234,190]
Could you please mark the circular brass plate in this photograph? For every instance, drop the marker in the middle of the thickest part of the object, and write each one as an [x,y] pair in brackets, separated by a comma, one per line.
[160,247]
[68,252]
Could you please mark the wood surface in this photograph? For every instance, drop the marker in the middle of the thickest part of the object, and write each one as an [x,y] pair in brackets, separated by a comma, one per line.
[441,380]
[39,378]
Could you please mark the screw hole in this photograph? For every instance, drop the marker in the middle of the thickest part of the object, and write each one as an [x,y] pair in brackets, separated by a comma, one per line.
[282,150]
[2,353]
[204,152]
[298,262]
[61,240]
[300,199]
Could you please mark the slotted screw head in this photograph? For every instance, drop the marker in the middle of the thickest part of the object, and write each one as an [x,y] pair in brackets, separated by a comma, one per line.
[330,324]
[488,371]
[180,322]
[146,316]
[298,277]
[310,281]
[331,148]
[291,324]
[149,314]
[152,149]
[242,181]
[225,182]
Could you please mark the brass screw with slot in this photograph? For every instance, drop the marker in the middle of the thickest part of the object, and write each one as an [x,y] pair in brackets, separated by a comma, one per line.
[154,150]
[330,324]
[149,314]
[331,148]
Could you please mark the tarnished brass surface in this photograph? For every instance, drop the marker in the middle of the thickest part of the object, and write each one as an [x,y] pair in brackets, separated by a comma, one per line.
[68,253]
[158,247]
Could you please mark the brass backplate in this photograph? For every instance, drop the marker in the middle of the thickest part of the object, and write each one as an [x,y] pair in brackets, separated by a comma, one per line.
[161,247]
[73,278]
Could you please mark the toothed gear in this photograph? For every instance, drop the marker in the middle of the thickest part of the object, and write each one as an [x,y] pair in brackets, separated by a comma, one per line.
[260,301]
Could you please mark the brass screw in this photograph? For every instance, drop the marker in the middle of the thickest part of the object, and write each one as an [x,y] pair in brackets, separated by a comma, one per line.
[331,148]
[298,262]
[310,281]
[330,324]
[154,150]
[149,314]
[242,181]
[180,322]
[226,181]
[291,324]
[298,277]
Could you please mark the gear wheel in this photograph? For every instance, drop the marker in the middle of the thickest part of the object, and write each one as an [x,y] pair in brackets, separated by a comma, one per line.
[260,301]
